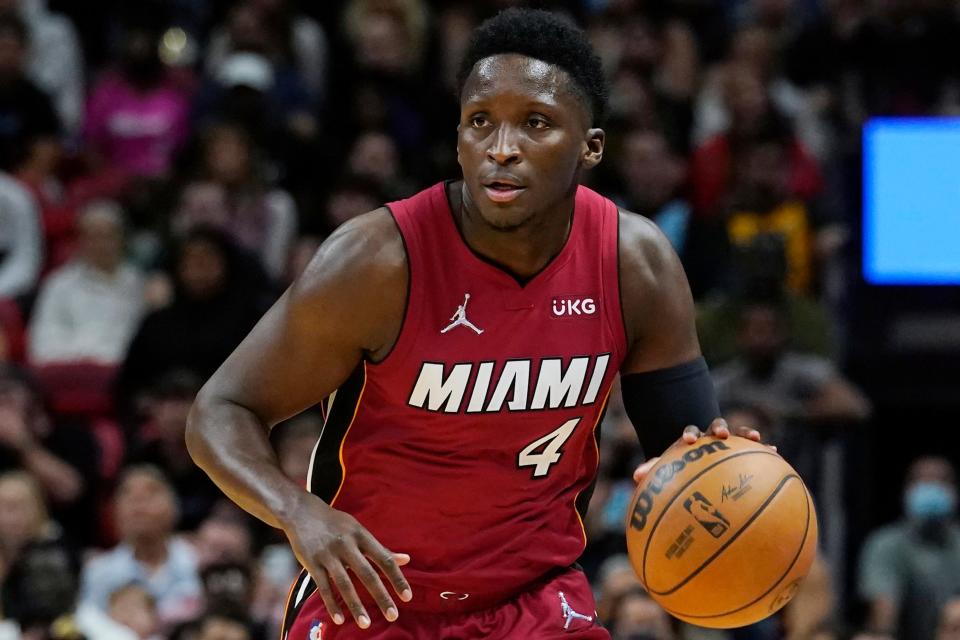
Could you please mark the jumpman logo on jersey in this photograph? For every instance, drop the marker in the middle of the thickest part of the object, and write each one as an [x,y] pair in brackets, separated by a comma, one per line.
[569,615]
[460,318]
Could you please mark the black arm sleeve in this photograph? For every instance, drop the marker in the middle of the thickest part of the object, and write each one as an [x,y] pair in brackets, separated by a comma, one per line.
[661,403]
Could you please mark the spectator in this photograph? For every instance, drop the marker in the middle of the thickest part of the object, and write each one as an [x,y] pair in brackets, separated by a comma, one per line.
[55,59]
[229,588]
[149,554]
[752,115]
[755,48]
[224,539]
[23,514]
[88,309]
[760,204]
[273,27]
[38,171]
[270,102]
[636,615]
[350,197]
[224,626]
[63,457]
[40,594]
[233,195]
[21,240]
[652,175]
[759,272]
[219,294]
[615,579]
[137,115]
[25,111]
[904,61]
[134,608]
[160,442]
[949,628]
[796,390]
[374,156]
[909,570]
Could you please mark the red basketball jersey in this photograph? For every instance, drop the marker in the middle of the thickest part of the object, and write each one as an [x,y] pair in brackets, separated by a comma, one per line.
[471,444]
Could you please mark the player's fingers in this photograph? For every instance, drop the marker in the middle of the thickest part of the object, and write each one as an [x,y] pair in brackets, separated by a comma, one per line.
[747,432]
[719,429]
[691,434]
[349,595]
[389,563]
[371,580]
[326,594]
[644,469]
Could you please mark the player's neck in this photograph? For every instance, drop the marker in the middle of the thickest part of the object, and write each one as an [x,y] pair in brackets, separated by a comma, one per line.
[523,251]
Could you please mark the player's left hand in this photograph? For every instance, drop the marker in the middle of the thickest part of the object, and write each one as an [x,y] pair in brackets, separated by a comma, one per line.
[718,428]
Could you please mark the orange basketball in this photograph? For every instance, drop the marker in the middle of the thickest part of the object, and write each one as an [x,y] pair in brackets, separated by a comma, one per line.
[722,532]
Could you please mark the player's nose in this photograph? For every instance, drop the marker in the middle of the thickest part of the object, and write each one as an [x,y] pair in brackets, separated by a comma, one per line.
[504,147]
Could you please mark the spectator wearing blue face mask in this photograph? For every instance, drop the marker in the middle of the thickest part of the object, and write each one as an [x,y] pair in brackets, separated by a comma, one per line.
[910,569]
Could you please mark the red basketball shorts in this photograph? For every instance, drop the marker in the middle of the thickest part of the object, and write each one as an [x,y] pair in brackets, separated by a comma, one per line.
[559,608]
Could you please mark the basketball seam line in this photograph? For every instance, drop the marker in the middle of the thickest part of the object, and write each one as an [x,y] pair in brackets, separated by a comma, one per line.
[803,541]
[646,548]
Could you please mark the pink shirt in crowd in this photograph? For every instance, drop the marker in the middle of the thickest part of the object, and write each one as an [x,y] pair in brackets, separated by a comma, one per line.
[134,130]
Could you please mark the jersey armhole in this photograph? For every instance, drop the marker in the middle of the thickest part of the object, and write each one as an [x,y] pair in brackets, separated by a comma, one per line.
[616,319]
[400,345]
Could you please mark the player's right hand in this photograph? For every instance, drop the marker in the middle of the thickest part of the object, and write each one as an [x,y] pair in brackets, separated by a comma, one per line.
[327,542]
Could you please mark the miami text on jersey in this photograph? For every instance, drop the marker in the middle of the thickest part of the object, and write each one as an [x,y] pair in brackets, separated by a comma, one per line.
[444,389]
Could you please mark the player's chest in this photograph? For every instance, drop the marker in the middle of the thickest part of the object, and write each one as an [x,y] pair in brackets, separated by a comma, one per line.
[483,352]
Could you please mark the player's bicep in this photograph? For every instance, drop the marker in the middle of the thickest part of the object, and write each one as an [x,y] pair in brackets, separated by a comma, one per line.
[657,304]
[284,365]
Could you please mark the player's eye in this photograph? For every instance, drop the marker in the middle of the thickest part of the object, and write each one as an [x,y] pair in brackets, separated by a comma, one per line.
[537,122]
[478,121]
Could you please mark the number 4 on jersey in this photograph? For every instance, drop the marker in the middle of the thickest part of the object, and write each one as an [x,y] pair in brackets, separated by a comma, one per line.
[551,443]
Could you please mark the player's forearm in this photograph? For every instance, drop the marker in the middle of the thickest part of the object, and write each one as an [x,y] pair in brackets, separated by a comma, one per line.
[231,445]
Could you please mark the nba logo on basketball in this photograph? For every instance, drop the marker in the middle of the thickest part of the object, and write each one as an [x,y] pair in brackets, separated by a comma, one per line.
[572,306]
[708,517]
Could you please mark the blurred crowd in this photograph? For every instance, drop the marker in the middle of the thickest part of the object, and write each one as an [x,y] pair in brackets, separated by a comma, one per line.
[168,167]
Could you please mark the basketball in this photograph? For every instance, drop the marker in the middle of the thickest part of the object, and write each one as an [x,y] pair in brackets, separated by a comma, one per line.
[721,532]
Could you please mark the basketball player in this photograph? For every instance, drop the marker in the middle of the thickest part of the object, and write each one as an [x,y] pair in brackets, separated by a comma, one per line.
[466,340]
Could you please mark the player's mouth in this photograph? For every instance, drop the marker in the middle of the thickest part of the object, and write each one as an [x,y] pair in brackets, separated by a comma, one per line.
[503,190]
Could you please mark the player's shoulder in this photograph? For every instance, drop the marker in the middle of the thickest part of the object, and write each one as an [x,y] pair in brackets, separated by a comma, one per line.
[364,253]
[645,252]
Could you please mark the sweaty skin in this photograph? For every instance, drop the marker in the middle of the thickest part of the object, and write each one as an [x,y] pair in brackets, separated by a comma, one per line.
[524,129]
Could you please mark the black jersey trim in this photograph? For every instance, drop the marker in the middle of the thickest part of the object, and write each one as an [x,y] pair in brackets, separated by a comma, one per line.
[580,507]
[328,470]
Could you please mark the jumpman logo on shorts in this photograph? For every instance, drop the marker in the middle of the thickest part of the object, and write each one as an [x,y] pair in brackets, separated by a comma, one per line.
[460,318]
[569,615]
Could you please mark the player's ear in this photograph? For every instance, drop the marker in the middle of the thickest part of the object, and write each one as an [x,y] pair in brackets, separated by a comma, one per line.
[593,147]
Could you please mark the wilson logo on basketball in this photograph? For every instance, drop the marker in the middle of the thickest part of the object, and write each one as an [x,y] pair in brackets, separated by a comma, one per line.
[662,477]
[572,306]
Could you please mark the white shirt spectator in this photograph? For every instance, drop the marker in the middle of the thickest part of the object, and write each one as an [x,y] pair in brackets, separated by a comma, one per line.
[55,62]
[84,313]
[21,239]
[175,585]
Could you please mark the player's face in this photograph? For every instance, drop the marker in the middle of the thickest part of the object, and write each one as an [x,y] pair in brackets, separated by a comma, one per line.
[523,138]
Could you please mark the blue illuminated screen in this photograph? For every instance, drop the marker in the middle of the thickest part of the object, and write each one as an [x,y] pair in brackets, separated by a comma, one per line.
[911,201]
